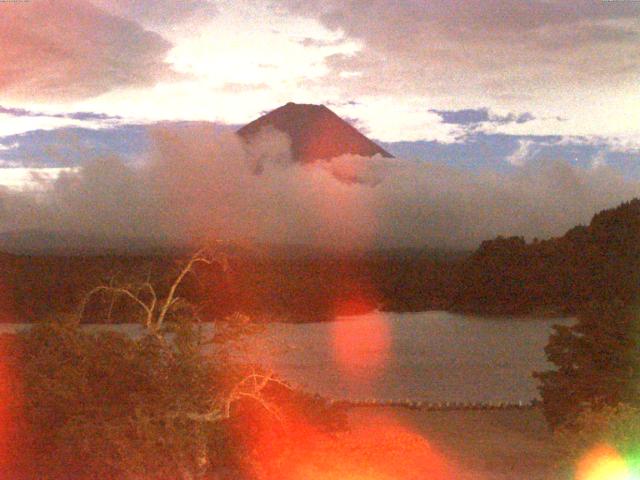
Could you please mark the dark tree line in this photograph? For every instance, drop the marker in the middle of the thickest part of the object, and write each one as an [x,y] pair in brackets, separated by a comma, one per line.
[309,287]
[597,360]
[595,263]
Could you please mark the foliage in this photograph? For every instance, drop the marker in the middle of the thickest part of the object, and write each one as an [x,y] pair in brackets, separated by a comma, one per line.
[105,405]
[142,405]
[595,263]
[115,405]
[289,285]
[597,360]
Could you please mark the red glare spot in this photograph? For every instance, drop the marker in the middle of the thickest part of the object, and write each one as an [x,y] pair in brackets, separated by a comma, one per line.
[361,347]
[372,452]
[11,401]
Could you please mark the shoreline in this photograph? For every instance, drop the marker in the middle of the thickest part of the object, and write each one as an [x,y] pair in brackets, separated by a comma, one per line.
[480,444]
[470,314]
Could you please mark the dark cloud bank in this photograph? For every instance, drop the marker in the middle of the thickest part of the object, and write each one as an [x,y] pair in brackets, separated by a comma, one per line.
[200,183]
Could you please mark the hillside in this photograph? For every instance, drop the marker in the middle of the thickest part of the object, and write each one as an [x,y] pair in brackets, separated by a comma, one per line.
[598,262]
[316,133]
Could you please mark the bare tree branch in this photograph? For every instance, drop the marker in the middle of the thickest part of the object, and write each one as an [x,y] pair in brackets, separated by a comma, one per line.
[198,257]
[115,290]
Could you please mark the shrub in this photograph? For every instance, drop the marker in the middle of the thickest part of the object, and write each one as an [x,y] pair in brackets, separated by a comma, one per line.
[114,405]
[598,363]
[105,405]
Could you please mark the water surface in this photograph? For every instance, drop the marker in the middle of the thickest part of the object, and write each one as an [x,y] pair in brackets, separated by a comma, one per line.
[431,356]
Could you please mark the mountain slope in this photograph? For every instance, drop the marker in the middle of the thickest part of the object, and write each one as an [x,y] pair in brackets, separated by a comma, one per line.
[316,133]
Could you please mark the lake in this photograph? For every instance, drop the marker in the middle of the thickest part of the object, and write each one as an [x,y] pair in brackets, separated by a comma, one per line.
[430,356]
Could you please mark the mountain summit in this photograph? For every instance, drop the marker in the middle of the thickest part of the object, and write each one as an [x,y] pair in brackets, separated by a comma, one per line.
[316,133]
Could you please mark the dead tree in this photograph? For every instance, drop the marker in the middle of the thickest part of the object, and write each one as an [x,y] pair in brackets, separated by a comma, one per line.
[157,312]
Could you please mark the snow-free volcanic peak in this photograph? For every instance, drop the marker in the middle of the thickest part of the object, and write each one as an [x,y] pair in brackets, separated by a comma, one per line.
[316,133]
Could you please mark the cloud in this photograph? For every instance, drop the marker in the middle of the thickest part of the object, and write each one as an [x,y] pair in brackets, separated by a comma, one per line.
[61,50]
[520,156]
[27,178]
[310,42]
[22,112]
[160,13]
[463,117]
[522,118]
[236,87]
[73,146]
[474,117]
[501,51]
[599,160]
[474,150]
[204,184]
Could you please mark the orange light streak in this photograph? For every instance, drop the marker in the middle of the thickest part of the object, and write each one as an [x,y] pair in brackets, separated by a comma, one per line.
[378,450]
[10,408]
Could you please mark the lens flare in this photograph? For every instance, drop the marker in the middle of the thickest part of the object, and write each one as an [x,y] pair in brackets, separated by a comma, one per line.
[361,347]
[603,462]
[11,452]
[10,392]
[378,449]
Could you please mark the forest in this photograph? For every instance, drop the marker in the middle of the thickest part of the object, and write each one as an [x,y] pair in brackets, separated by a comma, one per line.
[504,276]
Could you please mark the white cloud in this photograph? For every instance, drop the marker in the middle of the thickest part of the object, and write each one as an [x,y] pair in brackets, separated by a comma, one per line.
[30,179]
[599,160]
[552,58]
[520,156]
[161,14]
[202,184]
[395,59]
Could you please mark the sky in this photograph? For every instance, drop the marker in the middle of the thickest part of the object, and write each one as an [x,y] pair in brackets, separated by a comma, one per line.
[495,89]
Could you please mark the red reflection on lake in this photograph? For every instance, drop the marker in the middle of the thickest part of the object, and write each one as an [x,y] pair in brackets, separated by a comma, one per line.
[361,349]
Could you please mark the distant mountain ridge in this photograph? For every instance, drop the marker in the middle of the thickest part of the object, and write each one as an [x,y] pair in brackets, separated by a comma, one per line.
[316,133]
[41,242]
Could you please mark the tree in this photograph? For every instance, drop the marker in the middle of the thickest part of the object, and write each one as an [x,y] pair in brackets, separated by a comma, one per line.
[110,405]
[151,406]
[598,363]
